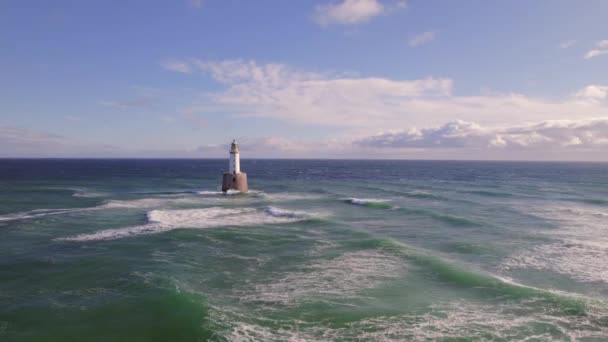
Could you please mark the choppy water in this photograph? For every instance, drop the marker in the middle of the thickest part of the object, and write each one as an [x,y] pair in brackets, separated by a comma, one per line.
[149,250]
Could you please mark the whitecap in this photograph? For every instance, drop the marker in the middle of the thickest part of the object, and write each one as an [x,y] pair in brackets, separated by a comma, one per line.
[365,201]
[167,220]
[278,212]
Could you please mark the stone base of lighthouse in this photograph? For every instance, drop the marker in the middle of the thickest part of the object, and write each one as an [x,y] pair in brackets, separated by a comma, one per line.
[235,181]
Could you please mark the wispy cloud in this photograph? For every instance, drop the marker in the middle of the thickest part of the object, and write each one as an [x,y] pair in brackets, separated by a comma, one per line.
[175,65]
[601,48]
[139,102]
[196,3]
[567,44]
[348,12]
[72,118]
[422,38]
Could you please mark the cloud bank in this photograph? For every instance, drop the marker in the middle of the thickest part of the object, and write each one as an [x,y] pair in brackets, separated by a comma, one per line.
[547,140]
[364,104]
[556,134]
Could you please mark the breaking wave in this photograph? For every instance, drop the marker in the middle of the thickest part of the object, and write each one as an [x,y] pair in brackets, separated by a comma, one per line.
[278,212]
[525,313]
[166,220]
[343,276]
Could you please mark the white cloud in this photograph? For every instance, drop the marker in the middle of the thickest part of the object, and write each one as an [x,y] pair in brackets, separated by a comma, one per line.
[348,12]
[552,134]
[364,104]
[422,38]
[178,66]
[566,44]
[547,140]
[593,92]
[601,48]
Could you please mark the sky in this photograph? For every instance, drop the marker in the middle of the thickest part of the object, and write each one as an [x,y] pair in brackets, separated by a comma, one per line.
[387,79]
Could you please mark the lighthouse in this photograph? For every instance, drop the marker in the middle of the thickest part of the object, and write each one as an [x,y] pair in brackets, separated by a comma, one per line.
[234,179]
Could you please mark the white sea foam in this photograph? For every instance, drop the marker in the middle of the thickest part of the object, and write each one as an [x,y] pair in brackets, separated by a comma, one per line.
[582,260]
[112,204]
[37,213]
[344,276]
[278,212]
[508,322]
[365,201]
[220,193]
[152,202]
[166,220]
[209,193]
[137,203]
[579,248]
[288,196]
[87,194]
[454,321]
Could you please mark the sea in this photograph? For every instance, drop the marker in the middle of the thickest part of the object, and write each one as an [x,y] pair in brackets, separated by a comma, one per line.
[317,250]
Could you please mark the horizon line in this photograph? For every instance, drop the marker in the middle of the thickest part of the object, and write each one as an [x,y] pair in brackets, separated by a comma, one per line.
[328,159]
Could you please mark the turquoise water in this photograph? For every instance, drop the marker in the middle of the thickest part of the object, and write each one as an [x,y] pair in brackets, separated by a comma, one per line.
[149,250]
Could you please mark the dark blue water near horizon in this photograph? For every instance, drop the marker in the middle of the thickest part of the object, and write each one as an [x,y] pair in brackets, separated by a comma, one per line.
[318,250]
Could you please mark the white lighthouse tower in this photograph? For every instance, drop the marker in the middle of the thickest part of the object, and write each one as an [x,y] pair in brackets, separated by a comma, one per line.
[234,179]
[235,159]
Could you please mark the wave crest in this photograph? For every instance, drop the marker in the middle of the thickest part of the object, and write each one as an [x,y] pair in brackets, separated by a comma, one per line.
[369,202]
[165,220]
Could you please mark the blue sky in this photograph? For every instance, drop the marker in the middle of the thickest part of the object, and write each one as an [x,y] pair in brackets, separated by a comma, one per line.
[326,78]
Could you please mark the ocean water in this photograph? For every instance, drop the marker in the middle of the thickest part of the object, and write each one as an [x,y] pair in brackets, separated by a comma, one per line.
[318,250]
